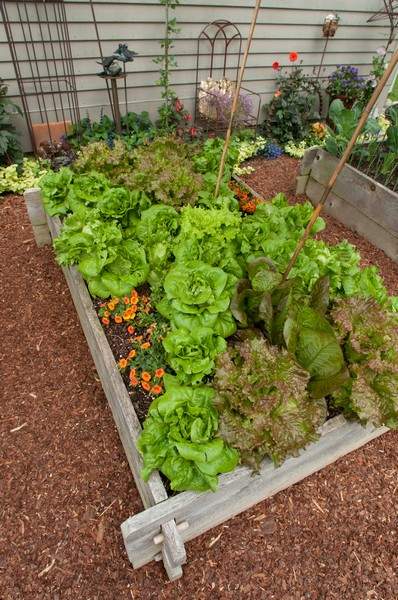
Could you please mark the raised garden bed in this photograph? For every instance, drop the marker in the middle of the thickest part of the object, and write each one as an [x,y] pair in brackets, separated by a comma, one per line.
[361,203]
[166,523]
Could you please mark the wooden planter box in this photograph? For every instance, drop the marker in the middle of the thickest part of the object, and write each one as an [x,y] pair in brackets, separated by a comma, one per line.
[361,203]
[166,523]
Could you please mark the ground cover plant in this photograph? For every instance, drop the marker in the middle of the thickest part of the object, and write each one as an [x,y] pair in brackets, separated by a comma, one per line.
[237,360]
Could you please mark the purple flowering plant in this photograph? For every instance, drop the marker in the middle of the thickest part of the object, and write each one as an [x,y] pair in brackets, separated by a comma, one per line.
[346,81]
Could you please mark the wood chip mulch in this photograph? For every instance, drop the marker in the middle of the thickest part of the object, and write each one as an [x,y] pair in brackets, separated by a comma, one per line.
[65,485]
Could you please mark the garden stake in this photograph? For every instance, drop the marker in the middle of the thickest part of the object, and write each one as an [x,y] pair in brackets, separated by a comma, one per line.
[236,97]
[377,91]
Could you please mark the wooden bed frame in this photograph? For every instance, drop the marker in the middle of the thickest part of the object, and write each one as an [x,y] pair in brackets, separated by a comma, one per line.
[166,523]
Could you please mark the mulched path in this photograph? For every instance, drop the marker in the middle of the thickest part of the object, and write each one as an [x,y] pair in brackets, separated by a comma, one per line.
[65,485]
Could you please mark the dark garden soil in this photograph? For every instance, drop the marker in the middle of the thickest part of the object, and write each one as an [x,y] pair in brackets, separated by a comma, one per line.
[65,484]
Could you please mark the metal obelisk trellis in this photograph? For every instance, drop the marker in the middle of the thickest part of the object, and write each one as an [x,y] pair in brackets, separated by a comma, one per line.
[38,37]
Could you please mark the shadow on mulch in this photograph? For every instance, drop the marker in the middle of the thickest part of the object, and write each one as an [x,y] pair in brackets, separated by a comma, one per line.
[66,486]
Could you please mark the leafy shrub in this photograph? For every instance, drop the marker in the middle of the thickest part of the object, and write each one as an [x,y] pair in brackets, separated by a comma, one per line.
[10,146]
[263,403]
[164,171]
[136,129]
[178,439]
[191,353]
[369,335]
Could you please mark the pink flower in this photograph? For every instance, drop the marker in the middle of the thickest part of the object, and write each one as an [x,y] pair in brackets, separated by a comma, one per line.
[178,105]
[188,117]
[277,93]
[193,131]
[276,66]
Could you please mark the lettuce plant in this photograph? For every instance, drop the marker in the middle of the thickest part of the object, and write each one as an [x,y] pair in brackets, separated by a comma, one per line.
[164,171]
[87,190]
[264,406]
[369,335]
[109,264]
[115,162]
[191,353]
[179,439]
[209,235]
[195,287]
[55,187]
[156,230]
[290,318]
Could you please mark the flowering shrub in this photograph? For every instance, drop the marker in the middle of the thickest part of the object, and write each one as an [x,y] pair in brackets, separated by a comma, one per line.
[288,115]
[345,82]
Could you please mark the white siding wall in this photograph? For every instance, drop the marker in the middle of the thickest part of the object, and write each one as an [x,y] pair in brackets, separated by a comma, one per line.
[283,26]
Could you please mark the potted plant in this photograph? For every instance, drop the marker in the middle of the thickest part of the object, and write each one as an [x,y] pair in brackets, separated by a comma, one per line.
[346,84]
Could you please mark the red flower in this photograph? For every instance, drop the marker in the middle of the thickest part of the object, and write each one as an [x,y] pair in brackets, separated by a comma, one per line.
[193,131]
[188,117]
[178,105]
[276,66]
[293,56]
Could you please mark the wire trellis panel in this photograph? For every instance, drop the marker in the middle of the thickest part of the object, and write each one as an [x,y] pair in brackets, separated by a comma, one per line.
[38,37]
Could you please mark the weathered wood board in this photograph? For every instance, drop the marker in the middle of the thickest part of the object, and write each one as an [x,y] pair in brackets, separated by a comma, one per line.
[361,203]
[160,530]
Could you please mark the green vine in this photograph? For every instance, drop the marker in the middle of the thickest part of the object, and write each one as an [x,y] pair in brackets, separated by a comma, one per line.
[166,62]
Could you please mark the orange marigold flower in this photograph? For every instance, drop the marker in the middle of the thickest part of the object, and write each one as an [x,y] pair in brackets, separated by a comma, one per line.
[134,297]
[111,305]
[145,386]
[145,345]
[126,315]
[130,329]
[122,363]
[134,381]
[118,319]
[115,300]
[139,338]
[106,313]
[159,373]
[146,376]
[132,354]
[157,389]
[132,373]
[105,321]
[126,300]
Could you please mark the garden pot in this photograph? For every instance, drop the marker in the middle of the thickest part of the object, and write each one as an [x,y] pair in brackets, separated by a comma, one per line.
[53,131]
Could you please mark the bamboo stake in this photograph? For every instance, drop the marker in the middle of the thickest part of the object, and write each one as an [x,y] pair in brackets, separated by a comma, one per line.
[236,97]
[377,91]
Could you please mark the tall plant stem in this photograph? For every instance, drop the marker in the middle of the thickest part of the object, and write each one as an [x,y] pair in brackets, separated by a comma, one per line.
[236,97]
[339,167]
[166,64]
